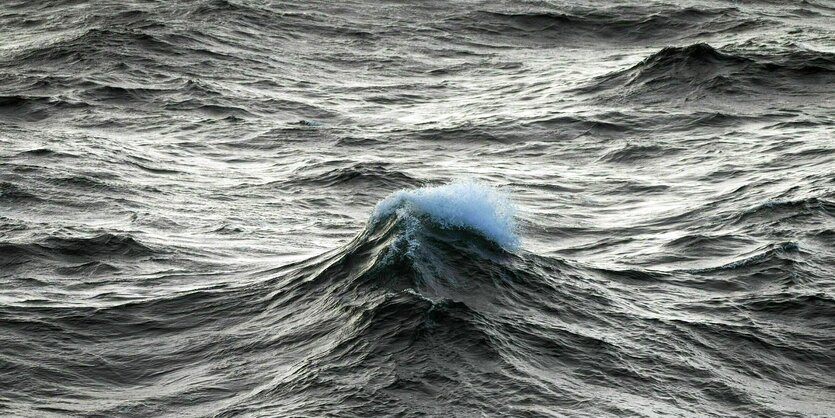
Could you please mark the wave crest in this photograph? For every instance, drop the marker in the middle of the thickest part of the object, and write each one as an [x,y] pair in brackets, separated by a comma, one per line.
[467,204]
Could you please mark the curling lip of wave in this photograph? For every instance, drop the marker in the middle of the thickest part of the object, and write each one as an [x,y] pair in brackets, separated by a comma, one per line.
[461,204]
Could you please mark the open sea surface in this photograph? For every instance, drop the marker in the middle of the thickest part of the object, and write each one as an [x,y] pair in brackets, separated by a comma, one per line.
[417,208]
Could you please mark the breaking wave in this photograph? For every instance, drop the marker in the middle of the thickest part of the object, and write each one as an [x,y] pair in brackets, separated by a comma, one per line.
[462,204]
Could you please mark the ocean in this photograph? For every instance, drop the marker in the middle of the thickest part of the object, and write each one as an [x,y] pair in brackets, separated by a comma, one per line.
[531,208]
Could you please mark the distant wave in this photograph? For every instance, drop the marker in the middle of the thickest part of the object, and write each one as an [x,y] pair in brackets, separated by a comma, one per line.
[376,175]
[13,193]
[630,153]
[35,108]
[91,46]
[616,24]
[58,248]
[781,209]
[700,71]
[762,259]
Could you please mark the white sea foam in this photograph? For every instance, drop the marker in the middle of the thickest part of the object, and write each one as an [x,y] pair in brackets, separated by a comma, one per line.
[461,204]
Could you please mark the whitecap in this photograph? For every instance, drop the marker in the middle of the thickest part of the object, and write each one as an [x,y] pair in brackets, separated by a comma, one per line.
[461,204]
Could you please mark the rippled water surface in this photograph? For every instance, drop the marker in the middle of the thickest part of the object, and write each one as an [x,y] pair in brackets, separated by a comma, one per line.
[466,208]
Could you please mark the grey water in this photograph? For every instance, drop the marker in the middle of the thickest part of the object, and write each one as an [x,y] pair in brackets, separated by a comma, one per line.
[440,208]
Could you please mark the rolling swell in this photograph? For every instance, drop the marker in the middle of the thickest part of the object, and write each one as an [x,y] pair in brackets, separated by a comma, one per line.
[423,311]
[437,308]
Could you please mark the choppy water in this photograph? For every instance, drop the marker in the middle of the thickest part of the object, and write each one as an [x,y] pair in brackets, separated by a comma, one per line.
[599,208]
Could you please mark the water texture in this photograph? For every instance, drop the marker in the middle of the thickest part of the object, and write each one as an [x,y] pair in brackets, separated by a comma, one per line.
[467,208]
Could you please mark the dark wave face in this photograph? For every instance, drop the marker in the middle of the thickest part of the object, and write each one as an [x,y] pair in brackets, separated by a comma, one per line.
[466,208]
